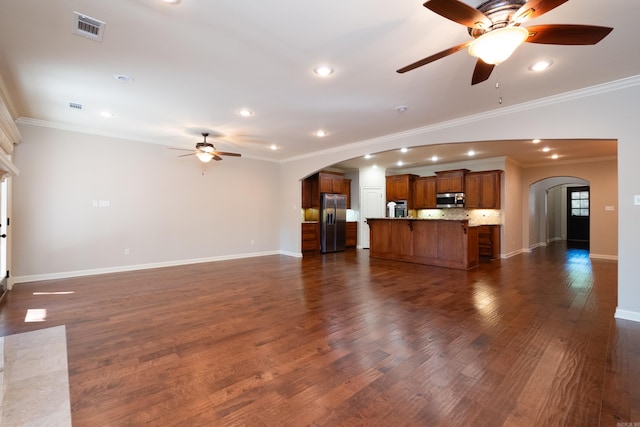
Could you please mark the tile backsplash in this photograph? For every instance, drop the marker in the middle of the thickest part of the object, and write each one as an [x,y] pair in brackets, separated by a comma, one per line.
[475,216]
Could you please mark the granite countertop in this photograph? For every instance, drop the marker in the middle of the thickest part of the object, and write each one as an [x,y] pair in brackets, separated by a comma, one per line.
[471,222]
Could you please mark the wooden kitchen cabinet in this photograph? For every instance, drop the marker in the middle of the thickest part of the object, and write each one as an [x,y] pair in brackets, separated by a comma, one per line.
[352,235]
[346,189]
[331,182]
[482,189]
[424,193]
[310,237]
[451,181]
[443,243]
[400,187]
[324,182]
[489,241]
[310,193]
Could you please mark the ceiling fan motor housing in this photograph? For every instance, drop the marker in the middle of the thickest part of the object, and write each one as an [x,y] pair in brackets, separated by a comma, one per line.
[500,12]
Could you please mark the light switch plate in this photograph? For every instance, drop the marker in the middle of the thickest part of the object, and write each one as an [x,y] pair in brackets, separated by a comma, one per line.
[636,200]
[608,208]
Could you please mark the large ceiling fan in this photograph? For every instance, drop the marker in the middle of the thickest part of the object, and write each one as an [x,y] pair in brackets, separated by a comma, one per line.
[496,31]
[205,151]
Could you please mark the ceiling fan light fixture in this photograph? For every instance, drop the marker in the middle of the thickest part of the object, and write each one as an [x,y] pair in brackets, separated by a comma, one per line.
[497,45]
[204,157]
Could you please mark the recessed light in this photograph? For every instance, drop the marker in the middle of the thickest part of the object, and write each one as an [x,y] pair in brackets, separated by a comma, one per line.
[404,149]
[367,156]
[323,70]
[400,163]
[546,149]
[320,133]
[541,65]
[434,158]
[123,78]
[273,147]
[471,153]
[245,112]
[171,1]
[555,156]
[535,141]
[375,166]
[401,108]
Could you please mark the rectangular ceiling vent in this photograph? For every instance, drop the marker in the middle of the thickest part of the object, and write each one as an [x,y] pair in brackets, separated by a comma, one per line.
[76,106]
[88,27]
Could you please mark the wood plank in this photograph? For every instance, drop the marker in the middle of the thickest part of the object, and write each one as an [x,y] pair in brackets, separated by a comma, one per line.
[345,339]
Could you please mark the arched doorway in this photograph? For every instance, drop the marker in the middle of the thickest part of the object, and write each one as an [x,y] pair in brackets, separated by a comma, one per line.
[550,208]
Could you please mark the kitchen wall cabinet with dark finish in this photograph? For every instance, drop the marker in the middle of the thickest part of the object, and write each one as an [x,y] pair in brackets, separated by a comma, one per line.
[324,182]
[424,193]
[346,189]
[482,189]
[400,187]
[450,181]
[331,182]
[310,193]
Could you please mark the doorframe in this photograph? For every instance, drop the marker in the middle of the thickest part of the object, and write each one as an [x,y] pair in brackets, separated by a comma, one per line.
[363,228]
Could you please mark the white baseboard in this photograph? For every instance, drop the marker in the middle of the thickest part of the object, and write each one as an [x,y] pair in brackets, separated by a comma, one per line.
[627,315]
[124,268]
[514,253]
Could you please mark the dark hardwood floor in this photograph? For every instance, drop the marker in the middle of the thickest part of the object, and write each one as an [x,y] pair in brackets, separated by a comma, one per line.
[342,339]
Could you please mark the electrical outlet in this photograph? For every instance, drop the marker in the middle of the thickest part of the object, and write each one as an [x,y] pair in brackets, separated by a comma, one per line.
[636,200]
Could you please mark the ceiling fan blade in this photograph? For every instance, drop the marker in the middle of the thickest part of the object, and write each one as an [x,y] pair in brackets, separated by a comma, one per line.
[185,155]
[459,12]
[566,34]
[535,8]
[180,149]
[432,58]
[224,153]
[481,72]
[216,157]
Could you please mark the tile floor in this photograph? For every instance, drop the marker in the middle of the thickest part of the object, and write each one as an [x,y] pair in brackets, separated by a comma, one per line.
[34,379]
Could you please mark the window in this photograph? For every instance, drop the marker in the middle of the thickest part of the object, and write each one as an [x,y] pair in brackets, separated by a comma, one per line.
[580,203]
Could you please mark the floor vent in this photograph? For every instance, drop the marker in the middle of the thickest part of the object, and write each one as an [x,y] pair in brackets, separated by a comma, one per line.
[76,106]
[88,27]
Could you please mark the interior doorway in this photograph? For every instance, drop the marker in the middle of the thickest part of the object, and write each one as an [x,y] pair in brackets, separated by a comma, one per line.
[578,216]
[4,222]
[371,206]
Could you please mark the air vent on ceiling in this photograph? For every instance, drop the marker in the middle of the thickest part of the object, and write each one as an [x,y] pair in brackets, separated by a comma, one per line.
[88,27]
[75,106]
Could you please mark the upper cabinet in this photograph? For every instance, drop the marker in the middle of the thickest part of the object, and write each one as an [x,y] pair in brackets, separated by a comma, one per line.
[331,182]
[324,182]
[482,189]
[400,187]
[424,193]
[451,181]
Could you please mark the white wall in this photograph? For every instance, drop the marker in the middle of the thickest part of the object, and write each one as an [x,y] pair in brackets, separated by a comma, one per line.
[602,112]
[164,209]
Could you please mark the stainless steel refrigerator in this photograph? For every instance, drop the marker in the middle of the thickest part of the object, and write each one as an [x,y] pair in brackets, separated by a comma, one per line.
[333,222]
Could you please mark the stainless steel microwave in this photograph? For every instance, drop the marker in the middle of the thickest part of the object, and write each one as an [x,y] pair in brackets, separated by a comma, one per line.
[449,200]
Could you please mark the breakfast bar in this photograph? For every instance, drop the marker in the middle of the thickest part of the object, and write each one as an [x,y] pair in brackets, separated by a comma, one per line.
[438,242]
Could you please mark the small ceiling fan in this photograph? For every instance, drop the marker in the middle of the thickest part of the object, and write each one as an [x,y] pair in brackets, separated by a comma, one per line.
[205,151]
[496,31]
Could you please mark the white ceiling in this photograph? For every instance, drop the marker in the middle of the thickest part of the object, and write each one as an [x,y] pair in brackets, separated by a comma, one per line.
[194,64]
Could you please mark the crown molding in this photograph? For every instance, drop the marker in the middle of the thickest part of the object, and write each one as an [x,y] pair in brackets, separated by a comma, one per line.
[612,86]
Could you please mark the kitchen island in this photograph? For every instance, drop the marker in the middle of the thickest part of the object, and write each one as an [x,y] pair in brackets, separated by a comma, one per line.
[439,242]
